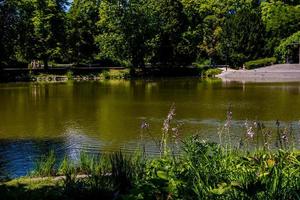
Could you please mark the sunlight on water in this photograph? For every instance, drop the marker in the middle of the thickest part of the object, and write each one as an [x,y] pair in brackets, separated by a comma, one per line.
[106,116]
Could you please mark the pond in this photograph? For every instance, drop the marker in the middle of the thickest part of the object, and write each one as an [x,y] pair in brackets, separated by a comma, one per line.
[106,116]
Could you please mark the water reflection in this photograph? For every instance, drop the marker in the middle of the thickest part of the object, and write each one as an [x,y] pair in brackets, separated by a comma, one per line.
[106,116]
[18,157]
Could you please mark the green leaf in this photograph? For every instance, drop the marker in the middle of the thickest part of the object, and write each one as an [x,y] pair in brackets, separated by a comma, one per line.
[162,175]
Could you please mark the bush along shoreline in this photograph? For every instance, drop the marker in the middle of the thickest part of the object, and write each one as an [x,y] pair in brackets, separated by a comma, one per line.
[260,63]
[63,75]
[187,168]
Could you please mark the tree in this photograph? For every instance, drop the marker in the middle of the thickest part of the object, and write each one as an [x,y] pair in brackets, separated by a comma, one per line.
[170,22]
[82,29]
[49,29]
[206,20]
[111,40]
[288,46]
[125,31]
[242,37]
[137,31]
[25,45]
[9,23]
[281,20]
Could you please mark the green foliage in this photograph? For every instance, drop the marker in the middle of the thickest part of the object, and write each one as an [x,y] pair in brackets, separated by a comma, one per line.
[66,167]
[281,19]
[49,29]
[122,170]
[15,32]
[260,63]
[202,63]
[115,74]
[104,75]
[124,31]
[86,164]
[81,30]
[242,37]
[212,72]
[287,46]
[202,171]
[70,75]
[208,164]
[139,33]
[45,166]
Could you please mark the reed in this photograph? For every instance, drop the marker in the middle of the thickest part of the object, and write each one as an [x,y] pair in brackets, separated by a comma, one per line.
[45,166]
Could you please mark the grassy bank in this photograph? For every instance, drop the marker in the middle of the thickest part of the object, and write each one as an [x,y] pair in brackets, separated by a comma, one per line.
[187,168]
[201,171]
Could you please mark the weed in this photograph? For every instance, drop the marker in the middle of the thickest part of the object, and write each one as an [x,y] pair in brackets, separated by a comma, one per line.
[45,166]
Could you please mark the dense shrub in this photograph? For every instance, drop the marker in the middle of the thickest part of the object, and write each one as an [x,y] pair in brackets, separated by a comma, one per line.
[285,47]
[115,74]
[260,63]
[212,72]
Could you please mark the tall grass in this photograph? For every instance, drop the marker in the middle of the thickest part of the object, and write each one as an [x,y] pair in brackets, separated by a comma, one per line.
[45,166]
[202,171]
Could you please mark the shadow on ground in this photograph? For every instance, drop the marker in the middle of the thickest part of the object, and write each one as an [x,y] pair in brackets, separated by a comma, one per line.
[48,192]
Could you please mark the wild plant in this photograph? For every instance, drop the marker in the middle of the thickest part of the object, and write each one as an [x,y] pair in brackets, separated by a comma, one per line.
[286,138]
[100,180]
[163,149]
[224,131]
[255,132]
[139,162]
[121,171]
[266,136]
[146,131]
[171,134]
[68,169]
[45,166]
[176,138]
[252,133]
[86,163]
[105,75]
[206,165]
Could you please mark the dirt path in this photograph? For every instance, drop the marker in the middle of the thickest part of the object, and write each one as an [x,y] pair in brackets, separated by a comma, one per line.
[274,73]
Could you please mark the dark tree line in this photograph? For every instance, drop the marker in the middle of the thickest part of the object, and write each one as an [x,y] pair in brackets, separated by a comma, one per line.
[140,32]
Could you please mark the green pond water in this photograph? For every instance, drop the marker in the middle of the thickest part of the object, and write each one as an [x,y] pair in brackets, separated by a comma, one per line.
[106,116]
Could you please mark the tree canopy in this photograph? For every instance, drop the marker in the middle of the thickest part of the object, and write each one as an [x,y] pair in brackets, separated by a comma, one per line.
[135,33]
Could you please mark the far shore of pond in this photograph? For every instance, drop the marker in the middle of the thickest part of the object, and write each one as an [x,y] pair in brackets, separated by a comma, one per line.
[93,74]
[274,73]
